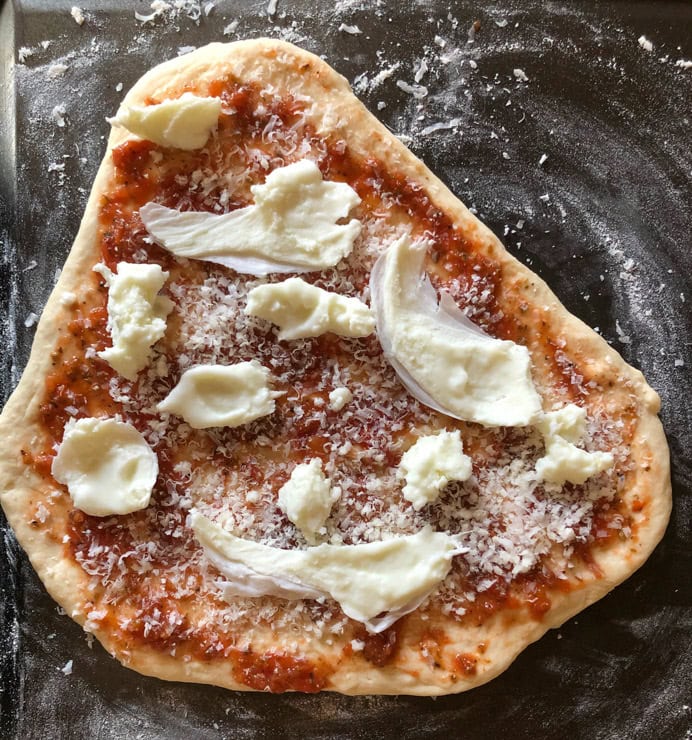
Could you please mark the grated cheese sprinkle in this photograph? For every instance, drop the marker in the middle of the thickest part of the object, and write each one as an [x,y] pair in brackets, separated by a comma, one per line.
[509,521]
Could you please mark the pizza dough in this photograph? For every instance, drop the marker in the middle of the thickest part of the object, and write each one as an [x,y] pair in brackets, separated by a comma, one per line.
[531,554]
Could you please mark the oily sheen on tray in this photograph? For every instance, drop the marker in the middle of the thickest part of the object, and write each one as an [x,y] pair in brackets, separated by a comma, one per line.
[294,420]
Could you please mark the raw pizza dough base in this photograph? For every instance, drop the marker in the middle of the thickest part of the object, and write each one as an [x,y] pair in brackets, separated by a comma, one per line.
[337,112]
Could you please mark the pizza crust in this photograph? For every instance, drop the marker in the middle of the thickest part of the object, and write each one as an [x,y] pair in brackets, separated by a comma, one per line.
[336,112]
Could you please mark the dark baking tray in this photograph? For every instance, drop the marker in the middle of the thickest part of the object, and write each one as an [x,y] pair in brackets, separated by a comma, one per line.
[611,238]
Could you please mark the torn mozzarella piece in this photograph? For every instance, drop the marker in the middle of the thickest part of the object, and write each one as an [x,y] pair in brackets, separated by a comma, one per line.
[339,397]
[244,581]
[304,310]
[107,466]
[307,498]
[430,464]
[564,461]
[292,227]
[442,358]
[183,123]
[136,314]
[392,576]
[222,395]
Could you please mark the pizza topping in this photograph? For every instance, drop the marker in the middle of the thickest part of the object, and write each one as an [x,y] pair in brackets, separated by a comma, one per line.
[136,314]
[563,460]
[442,358]
[303,310]
[307,498]
[107,466]
[292,227]
[184,123]
[513,528]
[339,397]
[430,464]
[222,395]
[392,575]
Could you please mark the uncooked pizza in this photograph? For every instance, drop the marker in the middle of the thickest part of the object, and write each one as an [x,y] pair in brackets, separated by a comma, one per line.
[295,420]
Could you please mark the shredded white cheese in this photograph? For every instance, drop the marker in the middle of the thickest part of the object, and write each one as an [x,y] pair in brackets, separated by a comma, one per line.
[645,43]
[77,15]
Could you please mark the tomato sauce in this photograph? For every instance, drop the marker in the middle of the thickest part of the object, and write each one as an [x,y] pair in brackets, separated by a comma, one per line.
[279,672]
[379,649]
[79,387]
[466,664]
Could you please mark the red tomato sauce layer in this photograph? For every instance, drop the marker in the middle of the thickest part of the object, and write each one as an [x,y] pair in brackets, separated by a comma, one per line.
[79,385]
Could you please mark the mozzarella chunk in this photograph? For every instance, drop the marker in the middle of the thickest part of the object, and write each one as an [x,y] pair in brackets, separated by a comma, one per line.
[444,359]
[292,227]
[107,466]
[183,123]
[392,575]
[222,395]
[136,314]
[307,498]
[564,461]
[339,397]
[304,310]
[430,464]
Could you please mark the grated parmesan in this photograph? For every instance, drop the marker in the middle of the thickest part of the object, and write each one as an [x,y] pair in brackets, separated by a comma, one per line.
[506,519]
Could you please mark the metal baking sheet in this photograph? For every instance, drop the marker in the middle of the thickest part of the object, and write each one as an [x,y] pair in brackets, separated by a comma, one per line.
[583,169]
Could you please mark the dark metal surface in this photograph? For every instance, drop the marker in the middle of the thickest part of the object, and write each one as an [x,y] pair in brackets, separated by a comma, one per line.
[605,219]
